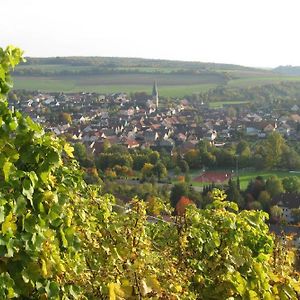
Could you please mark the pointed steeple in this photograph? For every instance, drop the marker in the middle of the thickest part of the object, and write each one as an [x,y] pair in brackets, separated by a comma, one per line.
[155,93]
[154,90]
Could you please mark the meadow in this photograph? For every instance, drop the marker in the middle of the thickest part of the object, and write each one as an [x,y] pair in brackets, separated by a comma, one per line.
[245,176]
[168,87]
[112,75]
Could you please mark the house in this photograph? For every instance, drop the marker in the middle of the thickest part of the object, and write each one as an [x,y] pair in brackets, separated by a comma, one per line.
[270,128]
[131,144]
[288,202]
[288,230]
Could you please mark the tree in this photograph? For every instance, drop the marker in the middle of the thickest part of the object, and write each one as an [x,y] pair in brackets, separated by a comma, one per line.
[65,118]
[290,159]
[264,199]
[159,170]
[233,193]
[80,151]
[208,159]
[273,149]
[276,213]
[182,205]
[291,184]
[153,157]
[255,205]
[154,205]
[241,147]
[256,186]
[138,161]
[274,186]
[193,159]
[183,165]
[147,171]
[177,191]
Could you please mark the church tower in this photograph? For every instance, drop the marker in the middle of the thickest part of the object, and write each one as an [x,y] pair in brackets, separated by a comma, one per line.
[155,94]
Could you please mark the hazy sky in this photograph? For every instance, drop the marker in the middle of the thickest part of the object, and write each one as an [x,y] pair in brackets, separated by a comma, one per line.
[262,33]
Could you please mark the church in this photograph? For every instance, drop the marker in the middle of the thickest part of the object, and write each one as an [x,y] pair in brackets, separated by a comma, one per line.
[155,94]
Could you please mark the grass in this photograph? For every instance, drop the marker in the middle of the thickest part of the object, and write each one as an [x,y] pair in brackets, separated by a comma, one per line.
[245,176]
[107,85]
[169,84]
[256,81]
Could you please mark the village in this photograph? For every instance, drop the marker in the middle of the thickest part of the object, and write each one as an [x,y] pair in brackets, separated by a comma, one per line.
[94,119]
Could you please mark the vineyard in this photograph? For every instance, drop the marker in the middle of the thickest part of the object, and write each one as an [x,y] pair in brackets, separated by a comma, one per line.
[59,239]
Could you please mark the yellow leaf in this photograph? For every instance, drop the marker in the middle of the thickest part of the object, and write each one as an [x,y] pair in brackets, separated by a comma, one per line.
[69,150]
[116,292]
[9,224]
[178,288]
[44,268]
[112,294]
[153,283]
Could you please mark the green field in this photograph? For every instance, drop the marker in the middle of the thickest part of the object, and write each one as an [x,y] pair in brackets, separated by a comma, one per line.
[245,176]
[256,81]
[112,75]
[111,85]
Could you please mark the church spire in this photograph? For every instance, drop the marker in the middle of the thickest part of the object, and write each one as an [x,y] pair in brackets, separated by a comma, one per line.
[155,93]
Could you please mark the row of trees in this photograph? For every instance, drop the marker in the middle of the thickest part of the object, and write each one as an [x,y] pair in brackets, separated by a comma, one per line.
[271,153]
[277,94]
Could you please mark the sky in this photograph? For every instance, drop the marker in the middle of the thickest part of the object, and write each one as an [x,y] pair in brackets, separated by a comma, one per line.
[259,33]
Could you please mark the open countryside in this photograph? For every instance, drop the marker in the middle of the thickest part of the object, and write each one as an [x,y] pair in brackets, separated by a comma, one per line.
[112,75]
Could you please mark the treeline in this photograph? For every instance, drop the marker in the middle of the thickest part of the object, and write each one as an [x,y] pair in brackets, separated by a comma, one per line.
[269,154]
[108,70]
[275,93]
[117,161]
[131,62]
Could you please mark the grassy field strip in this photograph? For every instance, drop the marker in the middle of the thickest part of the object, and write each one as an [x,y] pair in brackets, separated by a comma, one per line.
[47,84]
[242,82]
[245,176]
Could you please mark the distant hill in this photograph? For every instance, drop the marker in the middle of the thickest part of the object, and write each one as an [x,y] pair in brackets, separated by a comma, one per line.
[119,74]
[288,70]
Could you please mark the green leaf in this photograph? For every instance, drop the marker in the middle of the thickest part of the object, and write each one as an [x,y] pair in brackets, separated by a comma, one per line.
[29,223]
[21,205]
[53,290]
[7,169]
[33,177]
[28,190]
[2,214]
[63,238]
[2,73]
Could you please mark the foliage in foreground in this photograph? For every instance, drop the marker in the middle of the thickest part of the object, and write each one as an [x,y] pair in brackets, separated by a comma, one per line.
[60,240]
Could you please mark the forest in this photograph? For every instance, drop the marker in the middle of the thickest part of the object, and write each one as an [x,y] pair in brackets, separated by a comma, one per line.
[61,238]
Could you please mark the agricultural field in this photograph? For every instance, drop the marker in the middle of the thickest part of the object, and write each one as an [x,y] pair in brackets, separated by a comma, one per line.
[111,75]
[169,85]
[257,81]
